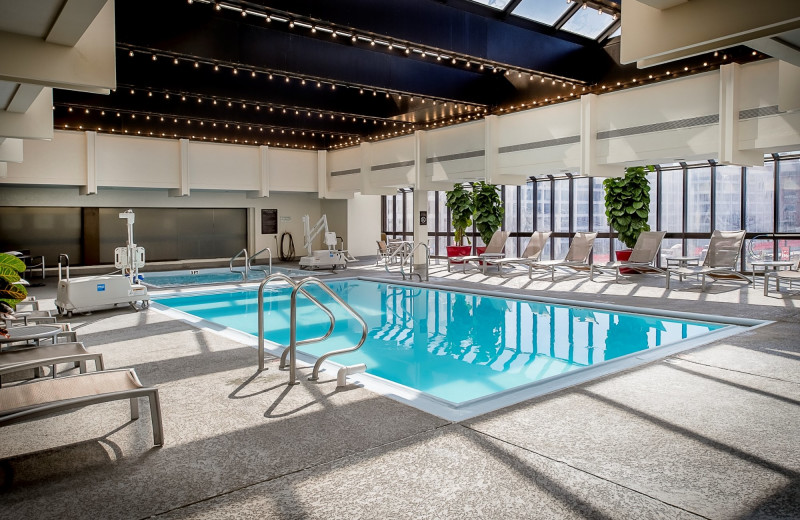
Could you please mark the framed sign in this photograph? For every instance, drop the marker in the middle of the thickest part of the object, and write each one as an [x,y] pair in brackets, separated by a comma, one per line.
[269,221]
[423,218]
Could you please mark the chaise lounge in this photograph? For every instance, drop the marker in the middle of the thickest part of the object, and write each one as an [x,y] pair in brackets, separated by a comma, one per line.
[642,257]
[577,256]
[35,399]
[532,253]
[720,262]
[494,250]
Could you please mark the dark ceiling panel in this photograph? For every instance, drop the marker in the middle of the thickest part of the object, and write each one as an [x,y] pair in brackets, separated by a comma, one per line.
[305,88]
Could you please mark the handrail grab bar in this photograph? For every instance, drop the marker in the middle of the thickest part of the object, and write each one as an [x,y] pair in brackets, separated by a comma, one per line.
[399,253]
[409,256]
[258,267]
[293,327]
[292,283]
[66,257]
[246,263]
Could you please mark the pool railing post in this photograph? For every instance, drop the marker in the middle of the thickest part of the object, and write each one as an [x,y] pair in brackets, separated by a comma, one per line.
[293,338]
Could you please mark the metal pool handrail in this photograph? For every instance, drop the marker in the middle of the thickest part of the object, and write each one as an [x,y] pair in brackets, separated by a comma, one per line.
[293,328]
[258,267]
[246,263]
[409,256]
[292,283]
[66,258]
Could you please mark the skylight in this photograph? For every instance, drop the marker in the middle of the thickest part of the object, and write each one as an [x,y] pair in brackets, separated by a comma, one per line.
[494,4]
[616,33]
[544,11]
[588,23]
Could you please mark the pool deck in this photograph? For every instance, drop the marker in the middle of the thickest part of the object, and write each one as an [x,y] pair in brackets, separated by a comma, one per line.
[713,432]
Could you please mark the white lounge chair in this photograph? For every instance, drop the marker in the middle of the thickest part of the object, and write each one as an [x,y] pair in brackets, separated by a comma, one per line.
[642,257]
[12,361]
[34,399]
[791,275]
[532,253]
[721,258]
[494,250]
[577,256]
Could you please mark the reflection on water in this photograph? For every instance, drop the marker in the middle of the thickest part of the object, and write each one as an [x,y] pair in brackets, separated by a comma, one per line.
[453,345]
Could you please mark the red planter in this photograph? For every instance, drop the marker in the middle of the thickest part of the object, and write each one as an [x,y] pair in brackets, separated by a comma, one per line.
[458,251]
[622,256]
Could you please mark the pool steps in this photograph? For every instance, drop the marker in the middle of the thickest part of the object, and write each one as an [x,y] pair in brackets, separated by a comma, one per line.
[291,349]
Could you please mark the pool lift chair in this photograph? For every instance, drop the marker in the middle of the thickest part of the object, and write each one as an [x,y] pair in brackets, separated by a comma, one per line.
[90,292]
[330,258]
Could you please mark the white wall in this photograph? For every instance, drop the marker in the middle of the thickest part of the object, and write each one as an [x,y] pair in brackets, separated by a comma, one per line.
[133,171]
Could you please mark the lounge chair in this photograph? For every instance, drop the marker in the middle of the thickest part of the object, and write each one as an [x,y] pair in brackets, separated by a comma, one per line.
[720,262]
[39,398]
[642,257]
[577,256]
[791,275]
[12,361]
[493,250]
[532,253]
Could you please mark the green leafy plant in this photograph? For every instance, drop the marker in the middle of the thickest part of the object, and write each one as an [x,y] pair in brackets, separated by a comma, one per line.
[11,290]
[460,203]
[489,210]
[628,203]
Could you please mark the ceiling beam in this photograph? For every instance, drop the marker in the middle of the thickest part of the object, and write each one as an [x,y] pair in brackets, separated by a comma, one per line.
[73,20]
[35,123]
[88,66]
[653,36]
[23,97]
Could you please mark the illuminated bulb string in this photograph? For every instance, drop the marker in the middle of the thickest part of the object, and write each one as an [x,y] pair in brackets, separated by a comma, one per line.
[316,26]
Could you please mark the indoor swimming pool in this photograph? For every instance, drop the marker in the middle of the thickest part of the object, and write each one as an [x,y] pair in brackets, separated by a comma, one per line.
[455,347]
[190,277]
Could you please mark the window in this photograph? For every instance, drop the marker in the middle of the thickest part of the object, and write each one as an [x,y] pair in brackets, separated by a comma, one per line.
[588,23]
[494,4]
[728,198]
[544,11]
[698,200]
[562,204]
[580,206]
[758,207]
[672,205]
[789,196]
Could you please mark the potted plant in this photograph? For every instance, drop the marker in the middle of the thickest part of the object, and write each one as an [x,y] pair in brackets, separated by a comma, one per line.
[460,203]
[12,290]
[489,211]
[627,202]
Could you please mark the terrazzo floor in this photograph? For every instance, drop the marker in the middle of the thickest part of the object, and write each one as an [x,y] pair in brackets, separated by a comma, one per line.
[708,433]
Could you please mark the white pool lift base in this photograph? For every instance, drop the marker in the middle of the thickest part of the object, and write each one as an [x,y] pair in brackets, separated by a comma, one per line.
[92,292]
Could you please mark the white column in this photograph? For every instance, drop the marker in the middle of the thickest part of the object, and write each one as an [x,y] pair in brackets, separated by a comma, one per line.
[183,188]
[90,187]
[589,163]
[729,151]
[420,199]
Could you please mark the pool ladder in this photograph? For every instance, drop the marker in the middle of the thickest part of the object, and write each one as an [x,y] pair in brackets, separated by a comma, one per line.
[291,349]
[248,266]
[408,256]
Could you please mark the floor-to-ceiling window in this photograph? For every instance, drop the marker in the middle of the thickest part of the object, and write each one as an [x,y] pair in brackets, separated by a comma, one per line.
[687,200]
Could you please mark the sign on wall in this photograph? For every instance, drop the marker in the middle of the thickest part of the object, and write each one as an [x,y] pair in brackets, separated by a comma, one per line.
[269,221]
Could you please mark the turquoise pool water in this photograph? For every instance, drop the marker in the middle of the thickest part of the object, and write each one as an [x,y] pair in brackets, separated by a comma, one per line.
[451,345]
[210,276]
